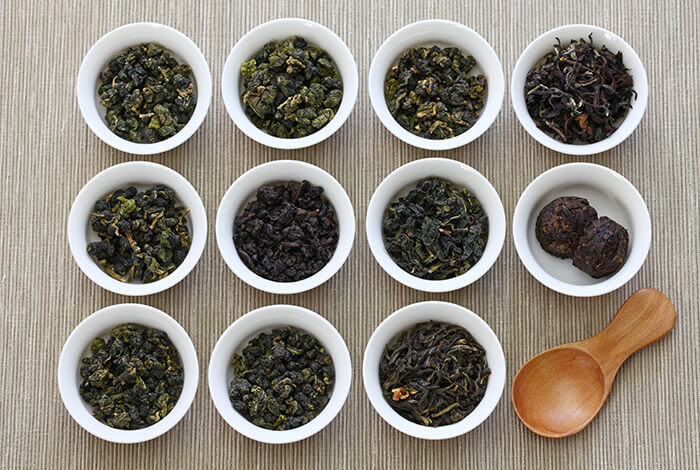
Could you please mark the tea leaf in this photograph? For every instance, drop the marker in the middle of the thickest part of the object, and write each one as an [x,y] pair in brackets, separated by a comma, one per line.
[437,231]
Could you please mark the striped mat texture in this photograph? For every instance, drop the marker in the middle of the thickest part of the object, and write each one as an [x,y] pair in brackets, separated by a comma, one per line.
[48,153]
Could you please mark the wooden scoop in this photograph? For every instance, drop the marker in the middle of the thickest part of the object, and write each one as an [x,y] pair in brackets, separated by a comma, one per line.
[557,393]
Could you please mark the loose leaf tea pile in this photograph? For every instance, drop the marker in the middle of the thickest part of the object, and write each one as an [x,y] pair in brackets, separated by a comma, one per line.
[143,234]
[437,231]
[431,93]
[568,227]
[434,374]
[282,380]
[148,94]
[133,379]
[288,233]
[291,89]
[578,94]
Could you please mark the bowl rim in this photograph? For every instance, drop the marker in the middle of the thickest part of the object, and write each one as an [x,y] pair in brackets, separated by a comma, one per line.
[526,205]
[496,83]
[634,114]
[84,198]
[346,227]
[110,317]
[261,320]
[497,223]
[84,81]
[460,316]
[232,101]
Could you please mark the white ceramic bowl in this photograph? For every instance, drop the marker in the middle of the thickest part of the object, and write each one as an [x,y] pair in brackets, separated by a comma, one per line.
[244,189]
[610,194]
[446,312]
[278,30]
[544,44]
[405,178]
[108,47]
[265,319]
[442,33]
[141,175]
[78,346]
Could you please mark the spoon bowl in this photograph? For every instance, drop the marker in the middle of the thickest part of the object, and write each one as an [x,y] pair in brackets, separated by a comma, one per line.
[558,392]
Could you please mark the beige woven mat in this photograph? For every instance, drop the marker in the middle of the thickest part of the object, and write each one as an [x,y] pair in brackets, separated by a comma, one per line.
[48,153]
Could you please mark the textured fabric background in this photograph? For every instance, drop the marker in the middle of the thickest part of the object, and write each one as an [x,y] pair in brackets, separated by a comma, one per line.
[48,154]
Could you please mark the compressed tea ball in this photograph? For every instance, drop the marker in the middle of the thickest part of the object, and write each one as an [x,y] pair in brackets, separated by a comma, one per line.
[602,249]
[561,224]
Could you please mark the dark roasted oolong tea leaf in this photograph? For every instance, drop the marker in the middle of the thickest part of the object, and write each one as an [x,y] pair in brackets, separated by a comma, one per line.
[288,233]
[143,234]
[437,231]
[561,223]
[148,95]
[434,374]
[432,92]
[578,94]
[290,88]
[133,378]
[282,379]
[602,249]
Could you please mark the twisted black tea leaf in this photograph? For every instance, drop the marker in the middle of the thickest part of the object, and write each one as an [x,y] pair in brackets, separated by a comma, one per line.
[434,374]
[148,94]
[578,94]
[133,379]
[291,89]
[282,380]
[437,231]
[143,234]
[431,92]
[288,233]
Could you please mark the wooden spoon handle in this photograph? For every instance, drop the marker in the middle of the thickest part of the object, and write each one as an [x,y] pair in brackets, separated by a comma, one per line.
[645,317]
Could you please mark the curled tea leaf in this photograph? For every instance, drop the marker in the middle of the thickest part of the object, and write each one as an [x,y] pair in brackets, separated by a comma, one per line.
[132,379]
[437,231]
[148,95]
[432,93]
[290,88]
[282,379]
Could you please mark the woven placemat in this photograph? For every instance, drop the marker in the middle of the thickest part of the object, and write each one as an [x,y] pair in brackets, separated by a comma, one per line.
[48,153]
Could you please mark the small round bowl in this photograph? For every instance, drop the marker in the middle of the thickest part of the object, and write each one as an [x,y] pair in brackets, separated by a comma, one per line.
[278,30]
[611,195]
[543,45]
[109,46]
[78,346]
[400,182]
[442,33]
[446,312]
[244,189]
[141,175]
[261,320]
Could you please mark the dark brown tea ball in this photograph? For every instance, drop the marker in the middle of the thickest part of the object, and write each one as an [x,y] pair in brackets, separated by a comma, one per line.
[561,224]
[602,249]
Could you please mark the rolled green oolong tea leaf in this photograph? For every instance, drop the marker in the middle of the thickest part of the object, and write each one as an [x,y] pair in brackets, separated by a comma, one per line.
[434,374]
[143,234]
[578,94]
[132,379]
[282,379]
[148,95]
[290,88]
[432,92]
[437,231]
[288,233]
